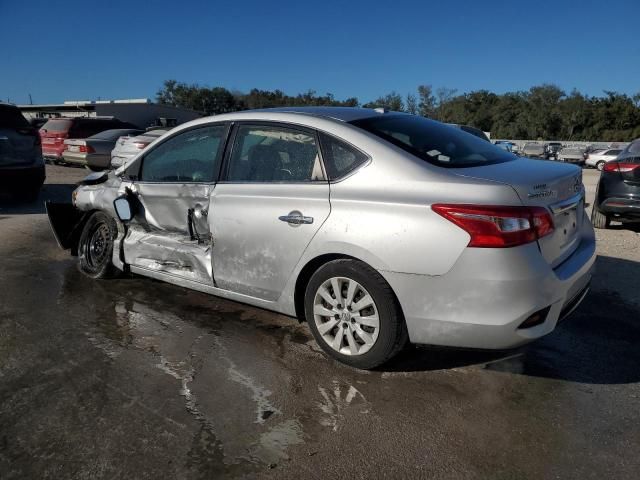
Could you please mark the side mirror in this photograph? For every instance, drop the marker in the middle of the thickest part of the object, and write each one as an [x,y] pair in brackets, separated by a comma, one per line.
[123,209]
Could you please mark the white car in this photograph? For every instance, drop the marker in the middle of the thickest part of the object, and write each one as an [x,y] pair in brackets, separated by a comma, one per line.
[128,146]
[597,159]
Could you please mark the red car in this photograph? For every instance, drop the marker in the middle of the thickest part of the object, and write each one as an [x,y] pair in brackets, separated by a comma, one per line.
[57,130]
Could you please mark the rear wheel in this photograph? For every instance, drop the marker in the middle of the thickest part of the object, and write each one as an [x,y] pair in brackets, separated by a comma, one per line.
[600,165]
[599,219]
[354,315]
[95,247]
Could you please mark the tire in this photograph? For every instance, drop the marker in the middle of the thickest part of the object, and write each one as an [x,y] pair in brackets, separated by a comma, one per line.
[599,219]
[600,165]
[364,343]
[95,247]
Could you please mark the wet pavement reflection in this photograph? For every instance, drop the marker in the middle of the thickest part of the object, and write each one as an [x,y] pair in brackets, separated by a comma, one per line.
[139,379]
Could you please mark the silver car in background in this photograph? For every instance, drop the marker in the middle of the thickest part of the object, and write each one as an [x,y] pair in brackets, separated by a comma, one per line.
[533,150]
[572,155]
[95,151]
[377,228]
[128,146]
[598,158]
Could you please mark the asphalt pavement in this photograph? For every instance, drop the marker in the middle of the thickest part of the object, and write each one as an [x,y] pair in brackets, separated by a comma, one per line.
[133,378]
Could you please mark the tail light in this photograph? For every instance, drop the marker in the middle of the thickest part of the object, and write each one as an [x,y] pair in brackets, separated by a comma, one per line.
[620,167]
[86,149]
[498,226]
[140,145]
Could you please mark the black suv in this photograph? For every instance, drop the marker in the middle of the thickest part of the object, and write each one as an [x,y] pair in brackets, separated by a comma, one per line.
[618,193]
[21,165]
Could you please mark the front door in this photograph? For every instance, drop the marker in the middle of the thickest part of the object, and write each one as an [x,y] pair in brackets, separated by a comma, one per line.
[273,200]
[170,231]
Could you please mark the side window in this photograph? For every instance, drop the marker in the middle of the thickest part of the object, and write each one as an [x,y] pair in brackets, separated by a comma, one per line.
[339,157]
[191,156]
[273,154]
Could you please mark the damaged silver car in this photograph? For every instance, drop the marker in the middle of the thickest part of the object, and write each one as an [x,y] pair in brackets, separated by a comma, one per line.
[377,228]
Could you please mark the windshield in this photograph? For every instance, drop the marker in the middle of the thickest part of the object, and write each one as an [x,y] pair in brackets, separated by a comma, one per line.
[433,141]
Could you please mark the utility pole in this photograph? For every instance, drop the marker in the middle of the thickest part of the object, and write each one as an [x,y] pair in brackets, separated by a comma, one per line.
[30,100]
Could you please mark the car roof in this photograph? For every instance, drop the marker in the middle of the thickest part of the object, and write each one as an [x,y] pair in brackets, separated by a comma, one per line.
[343,114]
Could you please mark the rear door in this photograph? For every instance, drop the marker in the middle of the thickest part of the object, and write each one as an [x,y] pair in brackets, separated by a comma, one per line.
[272,201]
[170,232]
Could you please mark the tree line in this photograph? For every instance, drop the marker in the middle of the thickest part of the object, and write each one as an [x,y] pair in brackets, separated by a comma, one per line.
[542,112]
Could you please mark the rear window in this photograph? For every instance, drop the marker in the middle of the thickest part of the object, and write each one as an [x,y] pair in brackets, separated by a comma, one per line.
[434,142]
[10,117]
[57,125]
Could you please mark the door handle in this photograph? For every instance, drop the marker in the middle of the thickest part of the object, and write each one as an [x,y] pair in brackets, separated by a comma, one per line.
[296,218]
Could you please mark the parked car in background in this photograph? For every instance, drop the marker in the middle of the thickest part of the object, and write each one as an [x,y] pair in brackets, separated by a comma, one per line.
[128,146]
[22,170]
[572,155]
[506,145]
[533,150]
[618,191]
[472,130]
[551,150]
[95,151]
[598,159]
[57,130]
[282,209]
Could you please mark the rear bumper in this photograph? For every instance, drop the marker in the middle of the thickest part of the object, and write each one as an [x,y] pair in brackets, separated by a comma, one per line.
[75,158]
[31,176]
[575,161]
[622,206]
[52,153]
[489,293]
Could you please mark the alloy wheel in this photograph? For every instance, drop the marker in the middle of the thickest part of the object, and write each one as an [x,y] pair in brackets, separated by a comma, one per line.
[346,316]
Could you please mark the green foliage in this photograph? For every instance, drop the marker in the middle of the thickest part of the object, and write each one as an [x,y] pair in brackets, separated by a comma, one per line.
[392,101]
[544,111]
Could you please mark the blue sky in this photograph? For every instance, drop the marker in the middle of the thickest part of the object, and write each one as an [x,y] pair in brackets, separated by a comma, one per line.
[125,49]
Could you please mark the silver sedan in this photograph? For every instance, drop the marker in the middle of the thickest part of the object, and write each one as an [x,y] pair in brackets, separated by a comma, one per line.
[376,228]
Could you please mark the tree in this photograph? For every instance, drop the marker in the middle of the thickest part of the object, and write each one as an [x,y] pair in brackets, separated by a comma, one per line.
[543,111]
[427,102]
[392,101]
[412,104]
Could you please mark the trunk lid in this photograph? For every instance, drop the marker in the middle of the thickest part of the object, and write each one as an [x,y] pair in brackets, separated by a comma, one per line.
[74,145]
[555,186]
